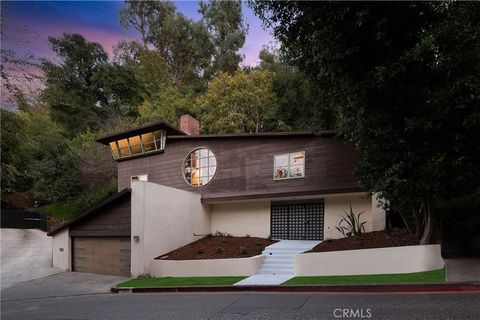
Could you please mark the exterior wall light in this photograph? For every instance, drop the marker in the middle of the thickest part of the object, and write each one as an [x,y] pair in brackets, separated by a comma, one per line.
[136,238]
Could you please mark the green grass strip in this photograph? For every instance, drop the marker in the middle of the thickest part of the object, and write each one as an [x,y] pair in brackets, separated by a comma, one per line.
[178,282]
[434,276]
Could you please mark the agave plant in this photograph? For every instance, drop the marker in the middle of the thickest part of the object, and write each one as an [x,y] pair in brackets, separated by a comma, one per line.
[350,224]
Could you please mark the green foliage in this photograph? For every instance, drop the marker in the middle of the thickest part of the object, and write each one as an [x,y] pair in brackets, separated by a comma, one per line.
[179,41]
[301,103]
[87,199]
[227,30]
[236,103]
[350,225]
[406,79]
[84,89]
[70,90]
[167,104]
[13,163]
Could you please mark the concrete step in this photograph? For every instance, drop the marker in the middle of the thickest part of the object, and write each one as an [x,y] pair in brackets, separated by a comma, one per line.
[281,253]
[280,256]
[278,262]
[276,272]
[277,268]
[275,264]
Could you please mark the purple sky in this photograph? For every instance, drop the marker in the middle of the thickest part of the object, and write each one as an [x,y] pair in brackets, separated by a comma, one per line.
[27,25]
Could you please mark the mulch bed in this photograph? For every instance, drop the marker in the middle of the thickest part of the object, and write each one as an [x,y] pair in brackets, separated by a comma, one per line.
[375,239]
[219,247]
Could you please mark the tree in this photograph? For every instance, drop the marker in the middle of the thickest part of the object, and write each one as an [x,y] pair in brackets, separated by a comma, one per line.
[301,103]
[406,79]
[70,90]
[227,29]
[137,14]
[84,89]
[236,103]
[182,43]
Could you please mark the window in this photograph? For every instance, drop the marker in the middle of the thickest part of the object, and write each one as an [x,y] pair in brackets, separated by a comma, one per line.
[135,145]
[199,167]
[289,165]
[142,177]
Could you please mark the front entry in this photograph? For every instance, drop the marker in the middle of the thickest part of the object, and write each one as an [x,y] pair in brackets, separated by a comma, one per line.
[297,221]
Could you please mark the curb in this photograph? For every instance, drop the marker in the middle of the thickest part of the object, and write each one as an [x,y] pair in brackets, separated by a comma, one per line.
[449,287]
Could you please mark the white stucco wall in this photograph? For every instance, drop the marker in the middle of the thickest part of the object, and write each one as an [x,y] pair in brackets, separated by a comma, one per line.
[206,268]
[61,250]
[240,219]
[369,261]
[164,218]
[335,206]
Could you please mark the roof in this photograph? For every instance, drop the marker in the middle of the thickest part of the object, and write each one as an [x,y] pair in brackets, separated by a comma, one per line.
[118,196]
[171,130]
[325,133]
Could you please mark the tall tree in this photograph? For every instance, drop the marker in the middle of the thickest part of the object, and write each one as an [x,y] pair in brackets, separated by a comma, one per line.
[83,89]
[227,29]
[406,77]
[236,103]
[182,43]
[70,90]
[301,103]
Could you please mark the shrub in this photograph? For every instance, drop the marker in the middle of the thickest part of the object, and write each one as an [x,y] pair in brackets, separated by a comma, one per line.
[219,250]
[350,224]
[201,251]
[242,250]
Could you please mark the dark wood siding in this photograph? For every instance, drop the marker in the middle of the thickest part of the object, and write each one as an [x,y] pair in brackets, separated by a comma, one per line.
[113,220]
[245,166]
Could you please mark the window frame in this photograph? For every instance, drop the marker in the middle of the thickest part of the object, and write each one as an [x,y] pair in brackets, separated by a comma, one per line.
[208,168]
[289,165]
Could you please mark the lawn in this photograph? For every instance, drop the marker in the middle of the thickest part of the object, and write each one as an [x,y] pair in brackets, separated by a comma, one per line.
[178,282]
[434,276]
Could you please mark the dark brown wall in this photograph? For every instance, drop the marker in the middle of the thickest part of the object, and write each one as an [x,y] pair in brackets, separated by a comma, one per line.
[111,221]
[245,166]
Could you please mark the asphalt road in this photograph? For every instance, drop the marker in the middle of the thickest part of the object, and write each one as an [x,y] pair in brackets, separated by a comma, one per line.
[246,306]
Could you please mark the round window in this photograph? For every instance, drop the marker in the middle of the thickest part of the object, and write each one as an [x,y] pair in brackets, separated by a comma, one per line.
[199,167]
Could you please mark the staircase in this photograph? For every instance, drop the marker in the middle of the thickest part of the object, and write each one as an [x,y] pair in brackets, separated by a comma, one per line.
[278,262]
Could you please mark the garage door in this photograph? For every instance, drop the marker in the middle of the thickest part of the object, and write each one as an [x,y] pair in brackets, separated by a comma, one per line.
[300,221]
[104,255]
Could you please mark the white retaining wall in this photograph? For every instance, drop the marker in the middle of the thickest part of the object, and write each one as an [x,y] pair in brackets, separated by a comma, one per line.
[369,261]
[164,219]
[206,268]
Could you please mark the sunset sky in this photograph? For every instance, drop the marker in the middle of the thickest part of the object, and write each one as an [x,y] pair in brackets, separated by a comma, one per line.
[28,24]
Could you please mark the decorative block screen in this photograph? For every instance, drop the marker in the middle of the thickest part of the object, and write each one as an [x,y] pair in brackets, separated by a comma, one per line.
[302,221]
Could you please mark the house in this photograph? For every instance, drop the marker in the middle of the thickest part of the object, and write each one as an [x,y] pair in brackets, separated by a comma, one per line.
[176,186]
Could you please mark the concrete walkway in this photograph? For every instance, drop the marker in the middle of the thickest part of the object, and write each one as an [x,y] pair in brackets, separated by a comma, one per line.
[25,254]
[278,263]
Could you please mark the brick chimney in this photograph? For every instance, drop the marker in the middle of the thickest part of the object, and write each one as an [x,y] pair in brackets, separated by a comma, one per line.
[189,125]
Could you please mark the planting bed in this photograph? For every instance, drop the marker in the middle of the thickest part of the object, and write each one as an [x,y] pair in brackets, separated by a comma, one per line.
[375,239]
[219,247]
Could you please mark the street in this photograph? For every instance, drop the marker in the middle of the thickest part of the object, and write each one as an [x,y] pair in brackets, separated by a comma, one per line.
[246,306]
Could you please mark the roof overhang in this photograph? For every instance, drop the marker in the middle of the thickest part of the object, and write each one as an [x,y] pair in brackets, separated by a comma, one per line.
[169,129]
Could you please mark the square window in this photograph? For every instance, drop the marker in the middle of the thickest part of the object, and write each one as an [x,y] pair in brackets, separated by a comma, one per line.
[289,165]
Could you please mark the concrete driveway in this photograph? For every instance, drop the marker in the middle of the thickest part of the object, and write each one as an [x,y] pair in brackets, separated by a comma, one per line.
[25,254]
[64,284]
